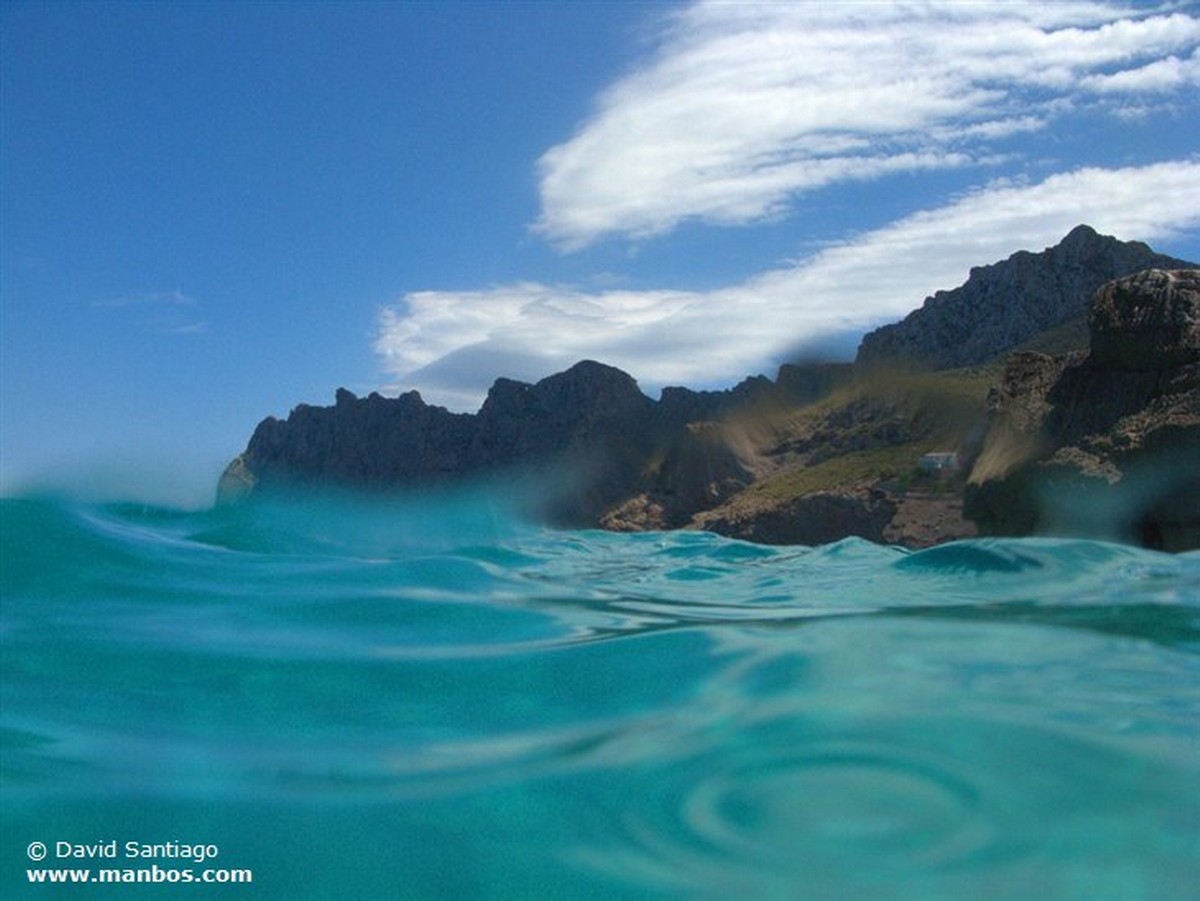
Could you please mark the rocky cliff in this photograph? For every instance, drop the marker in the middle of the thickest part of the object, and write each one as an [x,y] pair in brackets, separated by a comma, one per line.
[1007,303]
[1104,443]
[589,429]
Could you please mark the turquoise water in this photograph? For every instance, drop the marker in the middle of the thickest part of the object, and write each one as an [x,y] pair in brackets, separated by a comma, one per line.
[407,699]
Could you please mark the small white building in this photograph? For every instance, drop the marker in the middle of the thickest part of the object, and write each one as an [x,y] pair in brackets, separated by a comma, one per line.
[939,461]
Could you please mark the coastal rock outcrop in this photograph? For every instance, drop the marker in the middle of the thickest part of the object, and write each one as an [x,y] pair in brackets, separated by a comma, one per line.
[369,442]
[818,518]
[1004,304]
[1104,443]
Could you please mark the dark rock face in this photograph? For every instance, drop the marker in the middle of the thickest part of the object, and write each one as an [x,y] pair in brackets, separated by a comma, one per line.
[575,411]
[370,442]
[696,469]
[1150,321]
[803,383]
[590,425]
[591,418]
[1107,443]
[818,518]
[1002,305]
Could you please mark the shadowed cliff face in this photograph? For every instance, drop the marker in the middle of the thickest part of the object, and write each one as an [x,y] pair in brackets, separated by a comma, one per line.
[589,432]
[1105,444]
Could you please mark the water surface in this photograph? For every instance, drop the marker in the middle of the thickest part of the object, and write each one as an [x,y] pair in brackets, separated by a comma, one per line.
[430,698]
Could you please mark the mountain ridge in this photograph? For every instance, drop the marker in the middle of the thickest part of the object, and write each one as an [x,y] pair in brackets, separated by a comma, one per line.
[1006,303]
[838,445]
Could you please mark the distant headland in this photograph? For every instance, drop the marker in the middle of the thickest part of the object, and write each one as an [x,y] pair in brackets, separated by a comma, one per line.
[1052,393]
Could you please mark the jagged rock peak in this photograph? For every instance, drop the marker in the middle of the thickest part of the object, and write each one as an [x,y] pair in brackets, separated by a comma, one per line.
[1006,303]
[585,385]
[346,400]
[589,379]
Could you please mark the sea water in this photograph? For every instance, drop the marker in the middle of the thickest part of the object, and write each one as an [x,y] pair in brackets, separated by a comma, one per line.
[432,698]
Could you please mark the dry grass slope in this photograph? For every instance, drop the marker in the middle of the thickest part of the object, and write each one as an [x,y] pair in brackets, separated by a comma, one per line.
[869,433]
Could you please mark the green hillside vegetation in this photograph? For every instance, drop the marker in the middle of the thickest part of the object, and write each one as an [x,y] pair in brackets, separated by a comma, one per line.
[873,431]
[1070,336]
[848,470]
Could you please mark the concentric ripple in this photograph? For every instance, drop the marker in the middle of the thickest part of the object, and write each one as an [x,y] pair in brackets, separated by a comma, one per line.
[832,807]
[812,815]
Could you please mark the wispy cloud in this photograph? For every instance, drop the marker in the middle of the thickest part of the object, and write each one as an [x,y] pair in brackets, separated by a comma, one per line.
[1172,73]
[452,345]
[185,328]
[172,298]
[167,312]
[744,107]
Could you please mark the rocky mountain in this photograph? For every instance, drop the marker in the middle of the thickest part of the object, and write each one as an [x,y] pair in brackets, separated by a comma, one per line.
[821,452]
[1107,442]
[1007,303]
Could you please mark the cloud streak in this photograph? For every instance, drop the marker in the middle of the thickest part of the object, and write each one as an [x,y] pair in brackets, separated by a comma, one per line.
[167,312]
[173,298]
[451,345]
[746,107]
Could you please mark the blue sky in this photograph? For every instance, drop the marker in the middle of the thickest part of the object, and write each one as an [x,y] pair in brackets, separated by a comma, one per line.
[212,212]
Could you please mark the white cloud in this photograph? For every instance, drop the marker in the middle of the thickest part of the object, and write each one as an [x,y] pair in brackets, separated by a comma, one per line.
[745,106]
[452,345]
[1167,74]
